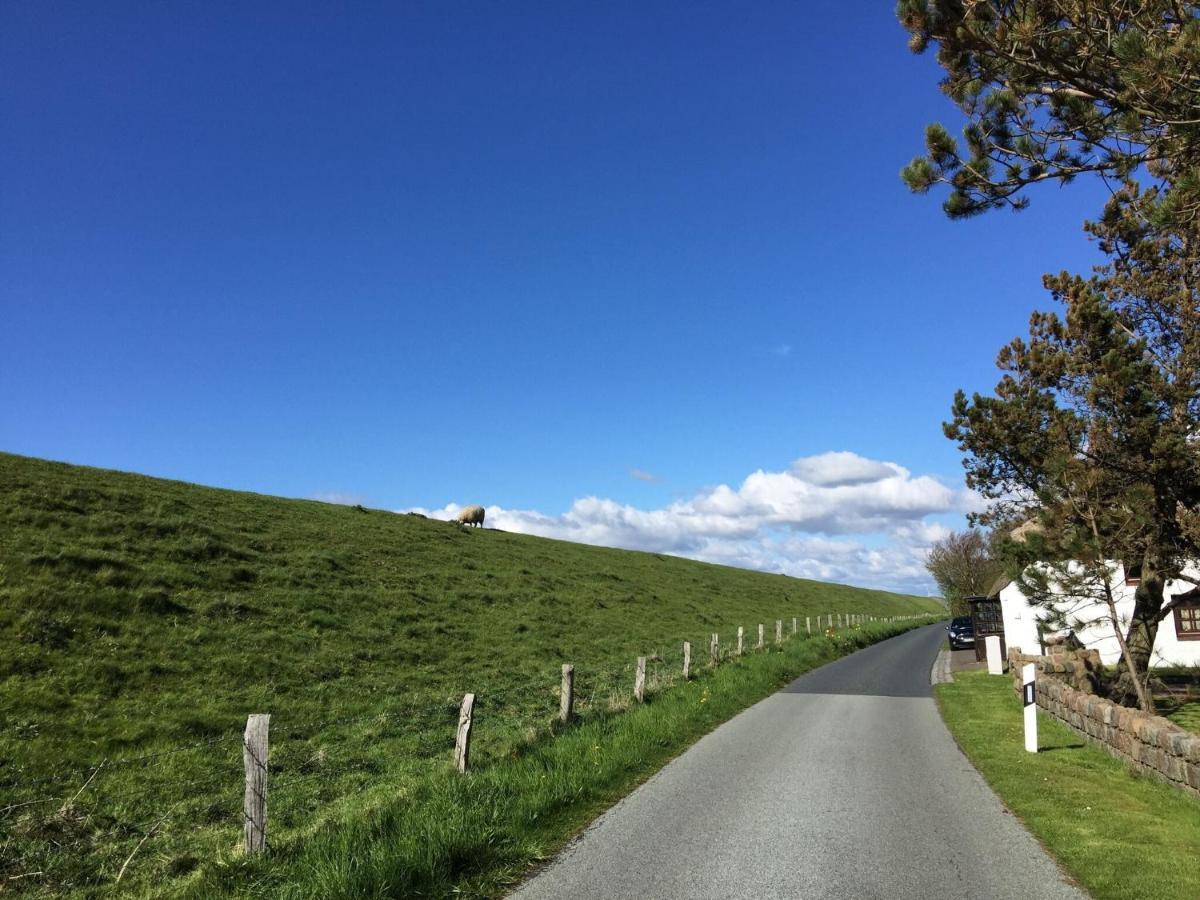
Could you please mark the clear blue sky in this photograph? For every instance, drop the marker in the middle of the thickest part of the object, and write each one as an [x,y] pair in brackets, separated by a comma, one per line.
[498,253]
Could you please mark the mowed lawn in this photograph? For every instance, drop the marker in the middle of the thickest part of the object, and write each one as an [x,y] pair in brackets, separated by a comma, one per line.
[1119,834]
[141,620]
[1185,715]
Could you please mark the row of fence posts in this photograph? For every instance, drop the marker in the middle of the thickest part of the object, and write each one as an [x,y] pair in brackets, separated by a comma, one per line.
[255,747]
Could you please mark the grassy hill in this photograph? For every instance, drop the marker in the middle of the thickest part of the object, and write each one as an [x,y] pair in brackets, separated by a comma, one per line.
[141,620]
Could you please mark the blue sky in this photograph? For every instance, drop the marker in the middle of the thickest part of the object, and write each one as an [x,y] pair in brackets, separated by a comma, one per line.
[430,254]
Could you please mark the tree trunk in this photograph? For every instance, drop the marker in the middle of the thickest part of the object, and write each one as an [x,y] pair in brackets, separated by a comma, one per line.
[1143,628]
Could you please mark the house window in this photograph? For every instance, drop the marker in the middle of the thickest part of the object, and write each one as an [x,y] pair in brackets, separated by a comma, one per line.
[1187,621]
[1133,573]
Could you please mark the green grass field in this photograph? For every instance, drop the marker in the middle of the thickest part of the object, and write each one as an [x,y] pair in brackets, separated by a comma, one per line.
[141,620]
[1121,835]
[1185,715]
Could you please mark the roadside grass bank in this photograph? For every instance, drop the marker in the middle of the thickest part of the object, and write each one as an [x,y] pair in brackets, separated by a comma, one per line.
[1117,833]
[478,835]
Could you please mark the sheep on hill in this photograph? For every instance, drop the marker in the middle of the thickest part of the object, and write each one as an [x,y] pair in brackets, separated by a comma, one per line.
[472,515]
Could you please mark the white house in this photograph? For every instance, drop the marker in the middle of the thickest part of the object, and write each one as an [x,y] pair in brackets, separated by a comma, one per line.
[1177,643]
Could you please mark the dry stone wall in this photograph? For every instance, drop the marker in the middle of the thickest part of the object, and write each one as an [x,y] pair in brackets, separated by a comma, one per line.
[1149,743]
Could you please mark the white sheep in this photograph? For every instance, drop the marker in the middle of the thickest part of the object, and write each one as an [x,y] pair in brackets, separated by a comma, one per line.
[472,515]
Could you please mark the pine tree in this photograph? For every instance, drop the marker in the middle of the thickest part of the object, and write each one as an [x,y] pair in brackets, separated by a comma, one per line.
[1093,430]
[1094,427]
[1053,89]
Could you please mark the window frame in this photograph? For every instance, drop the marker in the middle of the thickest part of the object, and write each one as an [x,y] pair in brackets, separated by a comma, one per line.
[1180,634]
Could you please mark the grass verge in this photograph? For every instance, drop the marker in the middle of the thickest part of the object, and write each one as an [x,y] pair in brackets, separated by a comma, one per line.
[477,835]
[1118,833]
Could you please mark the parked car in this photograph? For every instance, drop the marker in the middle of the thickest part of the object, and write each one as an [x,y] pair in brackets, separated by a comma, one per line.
[961,633]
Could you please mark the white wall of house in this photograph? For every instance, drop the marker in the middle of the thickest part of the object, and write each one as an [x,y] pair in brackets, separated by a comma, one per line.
[1020,624]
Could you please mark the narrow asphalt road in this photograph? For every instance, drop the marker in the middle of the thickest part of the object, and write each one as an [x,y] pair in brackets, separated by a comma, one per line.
[845,784]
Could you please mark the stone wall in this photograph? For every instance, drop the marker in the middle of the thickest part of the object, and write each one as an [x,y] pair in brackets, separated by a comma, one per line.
[1078,668]
[1150,744]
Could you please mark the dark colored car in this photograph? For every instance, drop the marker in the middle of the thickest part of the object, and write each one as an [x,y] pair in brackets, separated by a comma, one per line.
[961,633]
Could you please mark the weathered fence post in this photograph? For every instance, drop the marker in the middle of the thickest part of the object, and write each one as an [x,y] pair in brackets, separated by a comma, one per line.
[566,696]
[714,650]
[687,660]
[462,741]
[741,636]
[779,631]
[759,645]
[255,753]
[639,680]
[807,625]
[831,620]
[795,626]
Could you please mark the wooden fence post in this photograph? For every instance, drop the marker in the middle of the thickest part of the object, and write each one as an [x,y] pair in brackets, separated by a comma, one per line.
[639,680]
[462,741]
[566,696]
[795,626]
[740,638]
[779,631]
[807,625]
[687,660]
[714,650]
[255,753]
[759,645]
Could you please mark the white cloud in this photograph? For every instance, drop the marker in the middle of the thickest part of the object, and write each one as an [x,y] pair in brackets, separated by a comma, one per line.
[843,467]
[798,522]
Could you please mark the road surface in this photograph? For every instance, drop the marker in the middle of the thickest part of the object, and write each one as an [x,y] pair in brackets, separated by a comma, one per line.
[845,784]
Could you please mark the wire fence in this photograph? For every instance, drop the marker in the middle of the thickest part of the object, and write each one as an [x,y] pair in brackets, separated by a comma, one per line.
[162,813]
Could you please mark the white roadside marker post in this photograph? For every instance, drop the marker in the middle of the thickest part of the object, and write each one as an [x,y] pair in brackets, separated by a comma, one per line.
[995,663]
[1029,697]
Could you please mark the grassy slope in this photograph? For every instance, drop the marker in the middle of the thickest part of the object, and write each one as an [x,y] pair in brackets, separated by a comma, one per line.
[138,615]
[1118,834]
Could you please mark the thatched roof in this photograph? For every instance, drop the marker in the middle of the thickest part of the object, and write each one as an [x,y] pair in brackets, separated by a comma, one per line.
[1025,529]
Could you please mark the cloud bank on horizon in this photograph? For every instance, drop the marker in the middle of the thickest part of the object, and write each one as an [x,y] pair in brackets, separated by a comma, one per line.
[836,516]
